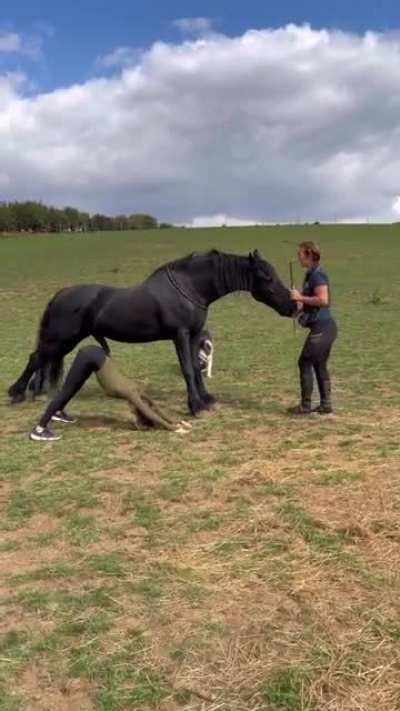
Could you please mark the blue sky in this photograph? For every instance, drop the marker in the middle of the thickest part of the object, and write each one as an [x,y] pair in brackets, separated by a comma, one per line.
[75,33]
[203,113]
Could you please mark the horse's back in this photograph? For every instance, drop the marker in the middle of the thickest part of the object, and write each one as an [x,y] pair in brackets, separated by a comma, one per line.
[152,311]
[78,297]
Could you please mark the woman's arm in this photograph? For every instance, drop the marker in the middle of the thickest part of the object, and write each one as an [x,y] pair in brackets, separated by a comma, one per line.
[321,297]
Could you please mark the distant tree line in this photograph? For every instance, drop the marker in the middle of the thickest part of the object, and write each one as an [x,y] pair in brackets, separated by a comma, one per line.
[36,217]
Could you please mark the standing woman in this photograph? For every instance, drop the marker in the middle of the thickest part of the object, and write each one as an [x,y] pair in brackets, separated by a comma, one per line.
[315,314]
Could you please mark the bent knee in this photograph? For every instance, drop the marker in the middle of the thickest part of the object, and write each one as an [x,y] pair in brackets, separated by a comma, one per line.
[92,354]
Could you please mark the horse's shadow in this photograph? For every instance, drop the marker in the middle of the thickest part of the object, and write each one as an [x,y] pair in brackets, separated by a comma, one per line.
[248,403]
[243,401]
[104,421]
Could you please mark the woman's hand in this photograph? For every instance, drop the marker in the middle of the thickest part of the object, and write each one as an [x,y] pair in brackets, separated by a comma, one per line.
[295,295]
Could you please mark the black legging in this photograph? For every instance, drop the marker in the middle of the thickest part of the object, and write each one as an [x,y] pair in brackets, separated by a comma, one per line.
[87,361]
[314,357]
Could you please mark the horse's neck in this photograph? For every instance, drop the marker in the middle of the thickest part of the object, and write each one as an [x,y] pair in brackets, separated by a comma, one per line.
[224,275]
[234,275]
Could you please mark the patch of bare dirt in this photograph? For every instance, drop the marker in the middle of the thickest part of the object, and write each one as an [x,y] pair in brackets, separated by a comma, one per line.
[38,523]
[143,467]
[28,558]
[44,695]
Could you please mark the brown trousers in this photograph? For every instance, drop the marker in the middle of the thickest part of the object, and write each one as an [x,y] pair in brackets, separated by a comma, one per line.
[145,412]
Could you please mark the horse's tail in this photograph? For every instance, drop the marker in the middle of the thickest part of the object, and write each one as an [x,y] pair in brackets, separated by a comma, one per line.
[56,370]
[53,366]
[45,321]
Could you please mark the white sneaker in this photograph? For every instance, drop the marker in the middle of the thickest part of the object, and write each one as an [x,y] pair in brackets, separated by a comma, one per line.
[43,434]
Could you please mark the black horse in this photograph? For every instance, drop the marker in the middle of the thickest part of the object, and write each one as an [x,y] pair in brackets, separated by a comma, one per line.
[171,304]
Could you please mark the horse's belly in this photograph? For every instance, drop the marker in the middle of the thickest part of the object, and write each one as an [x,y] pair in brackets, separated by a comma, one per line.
[133,336]
[145,317]
[129,325]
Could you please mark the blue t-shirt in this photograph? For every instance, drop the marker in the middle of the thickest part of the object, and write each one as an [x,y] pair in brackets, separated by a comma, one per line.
[315,277]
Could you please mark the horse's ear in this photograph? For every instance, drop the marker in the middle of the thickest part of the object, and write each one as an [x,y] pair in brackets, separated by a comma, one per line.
[257,256]
[251,258]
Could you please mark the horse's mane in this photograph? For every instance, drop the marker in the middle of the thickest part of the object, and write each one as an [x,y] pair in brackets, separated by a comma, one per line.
[191,258]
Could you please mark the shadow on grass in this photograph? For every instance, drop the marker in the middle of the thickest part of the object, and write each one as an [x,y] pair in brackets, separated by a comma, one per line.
[99,421]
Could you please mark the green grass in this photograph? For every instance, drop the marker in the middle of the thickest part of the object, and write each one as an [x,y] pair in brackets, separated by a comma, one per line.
[19,509]
[9,702]
[338,478]
[311,530]
[285,691]
[47,573]
[146,571]
[82,529]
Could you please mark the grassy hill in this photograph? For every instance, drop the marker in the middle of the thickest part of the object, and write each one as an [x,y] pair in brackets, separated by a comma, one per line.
[251,565]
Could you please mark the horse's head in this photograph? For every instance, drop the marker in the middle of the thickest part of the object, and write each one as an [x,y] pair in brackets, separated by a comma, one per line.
[268,288]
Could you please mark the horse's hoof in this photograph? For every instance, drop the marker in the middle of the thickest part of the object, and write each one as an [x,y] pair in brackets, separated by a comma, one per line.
[196,408]
[203,409]
[17,398]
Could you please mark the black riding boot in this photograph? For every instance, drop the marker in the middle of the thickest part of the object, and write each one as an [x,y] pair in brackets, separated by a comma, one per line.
[306,387]
[325,408]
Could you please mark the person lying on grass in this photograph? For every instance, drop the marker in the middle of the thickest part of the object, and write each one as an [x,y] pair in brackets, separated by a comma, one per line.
[93,359]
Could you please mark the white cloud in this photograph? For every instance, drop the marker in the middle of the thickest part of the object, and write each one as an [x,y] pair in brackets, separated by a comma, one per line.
[14,43]
[194,25]
[120,57]
[219,221]
[287,124]
[10,42]
[10,84]
[396,206]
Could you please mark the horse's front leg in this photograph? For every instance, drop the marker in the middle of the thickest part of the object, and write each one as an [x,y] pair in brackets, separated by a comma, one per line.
[183,349]
[206,397]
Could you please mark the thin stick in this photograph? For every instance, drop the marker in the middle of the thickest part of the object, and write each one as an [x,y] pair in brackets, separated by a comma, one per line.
[292,287]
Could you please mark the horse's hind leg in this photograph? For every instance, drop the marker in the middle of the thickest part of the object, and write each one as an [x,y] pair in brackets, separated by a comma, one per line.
[38,384]
[48,377]
[17,390]
[45,362]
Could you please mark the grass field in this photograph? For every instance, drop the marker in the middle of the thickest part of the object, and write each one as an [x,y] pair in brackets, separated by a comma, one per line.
[251,565]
